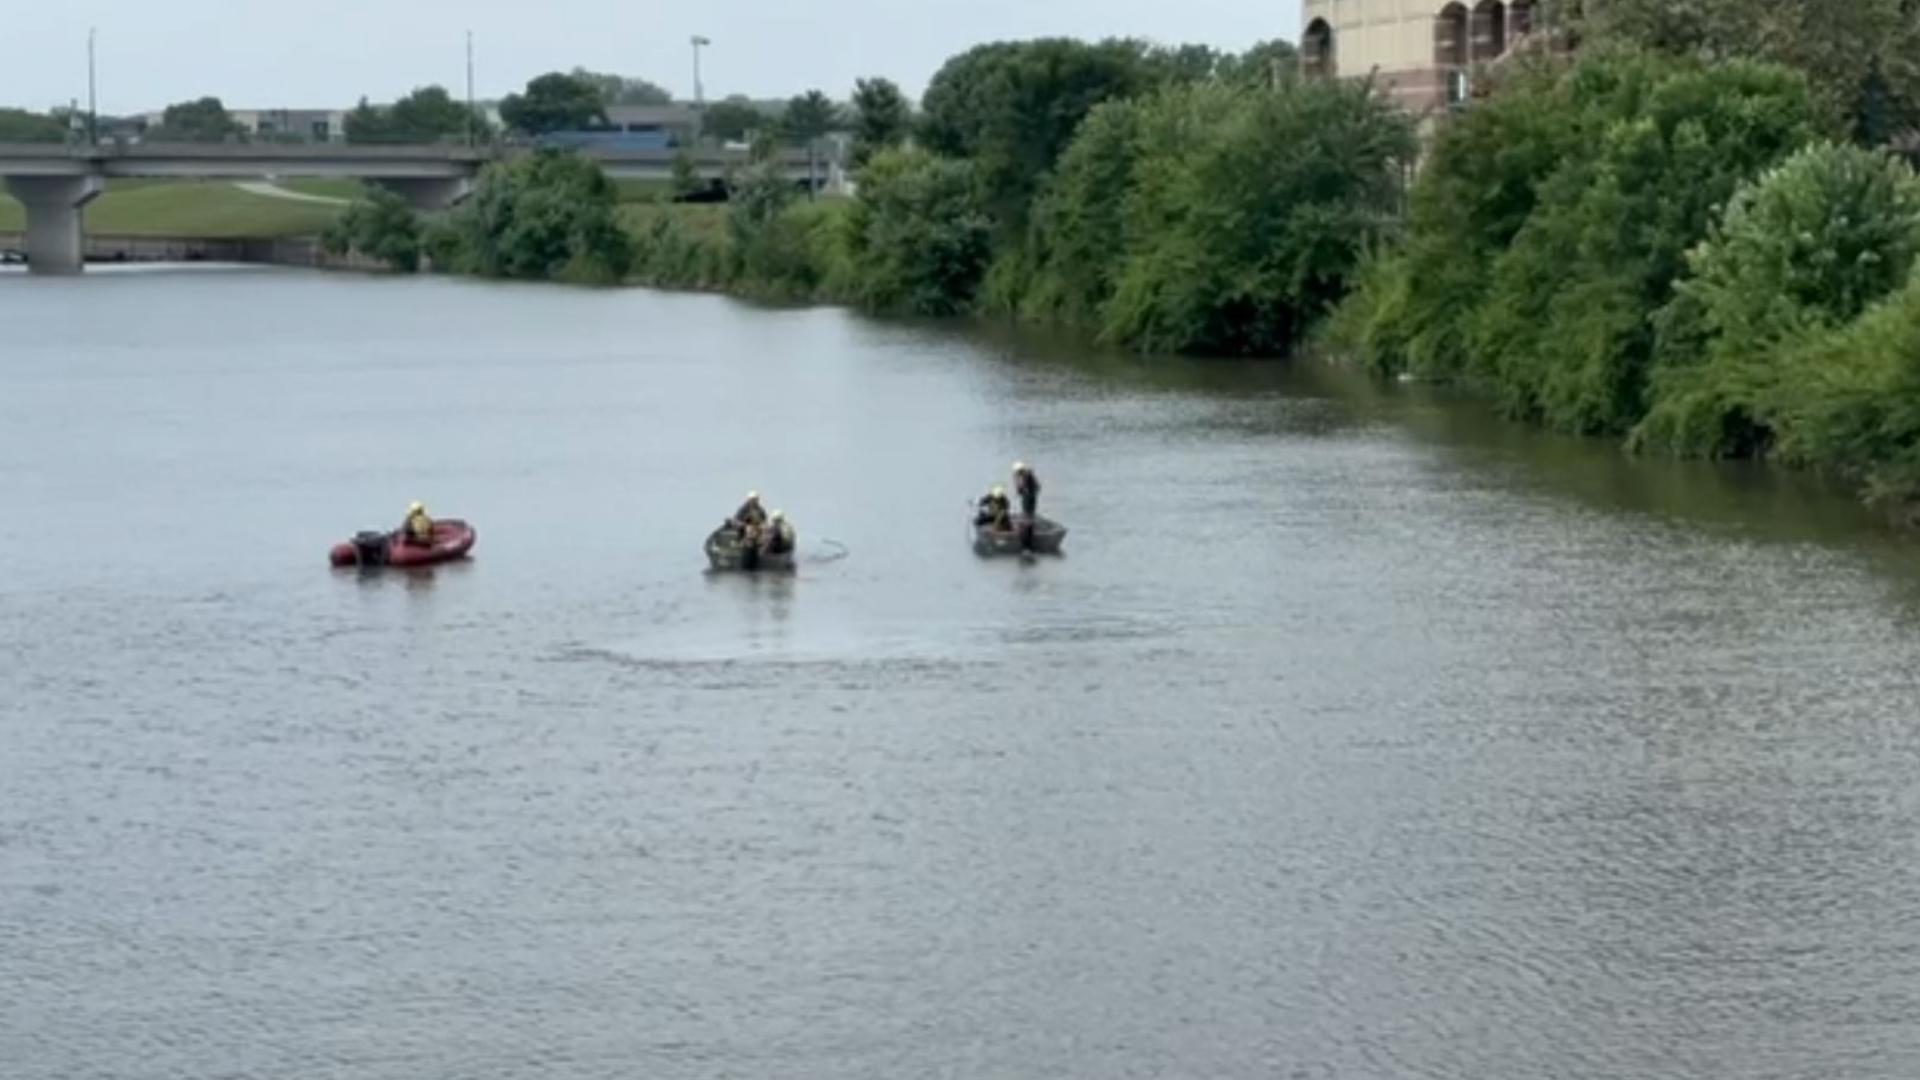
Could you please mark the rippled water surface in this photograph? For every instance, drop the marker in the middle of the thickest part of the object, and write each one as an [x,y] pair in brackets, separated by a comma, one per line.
[1359,736]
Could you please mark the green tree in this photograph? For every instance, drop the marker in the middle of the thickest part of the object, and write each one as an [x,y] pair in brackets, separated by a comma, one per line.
[1011,108]
[201,120]
[732,120]
[881,118]
[624,89]
[1266,64]
[428,114]
[1246,213]
[686,174]
[18,125]
[380,225]
[809,117]
[1863,56]
[1804,249]
[554,102]
[1554,216]
[917,235]
[545,216]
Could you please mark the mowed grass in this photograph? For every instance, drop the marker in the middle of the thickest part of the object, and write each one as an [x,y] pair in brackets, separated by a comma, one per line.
[210,209]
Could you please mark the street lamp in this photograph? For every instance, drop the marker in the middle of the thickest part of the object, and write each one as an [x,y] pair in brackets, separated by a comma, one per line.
[93,112]
[699,94]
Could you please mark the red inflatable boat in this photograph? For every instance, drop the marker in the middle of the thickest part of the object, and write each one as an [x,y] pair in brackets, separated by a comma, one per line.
[452,539]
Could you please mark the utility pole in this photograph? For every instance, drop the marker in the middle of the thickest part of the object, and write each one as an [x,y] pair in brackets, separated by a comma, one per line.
[472,119]
[699,92]
[93,112]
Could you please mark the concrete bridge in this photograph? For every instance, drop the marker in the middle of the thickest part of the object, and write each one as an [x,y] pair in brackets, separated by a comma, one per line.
[55,183]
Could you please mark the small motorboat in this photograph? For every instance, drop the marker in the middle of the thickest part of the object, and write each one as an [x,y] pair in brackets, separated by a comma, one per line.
[1048,535]
[452,539]
[728,550]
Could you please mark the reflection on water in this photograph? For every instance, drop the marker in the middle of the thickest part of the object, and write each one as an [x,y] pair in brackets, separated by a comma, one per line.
[1359,735]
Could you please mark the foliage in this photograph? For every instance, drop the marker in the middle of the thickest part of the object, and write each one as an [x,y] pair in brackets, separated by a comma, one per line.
[428,114]
[554,102]
[549,215]
[1011,108]
[1802,250]
[18,125]
[1554,216]
[686,174]
[1266,64]
[732,120]
[917,235]
[201,120]
[1215,217]
[624,89]
[1862,56]
[1849,402]
[882,118]
[381,225]
[809,116]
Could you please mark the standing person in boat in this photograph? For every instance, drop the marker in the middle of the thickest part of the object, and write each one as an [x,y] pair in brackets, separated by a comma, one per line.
[780,535]
[994,510]
[417,529]
[1026,484]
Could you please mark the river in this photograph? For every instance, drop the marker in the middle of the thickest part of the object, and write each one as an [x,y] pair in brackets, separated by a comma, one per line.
[1359,735]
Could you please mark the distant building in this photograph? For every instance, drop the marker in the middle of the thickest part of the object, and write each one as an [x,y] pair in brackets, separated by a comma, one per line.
[1423,52]
[293,125]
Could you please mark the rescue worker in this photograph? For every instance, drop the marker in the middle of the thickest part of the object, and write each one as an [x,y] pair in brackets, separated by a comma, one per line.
[417,529]
[751,515]
[1026,485]
[994,510]
[780,536]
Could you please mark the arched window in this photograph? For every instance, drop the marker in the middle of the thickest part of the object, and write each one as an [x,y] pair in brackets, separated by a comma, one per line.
[1489,30]
[1316,47]
[1519,19]
[1450,36]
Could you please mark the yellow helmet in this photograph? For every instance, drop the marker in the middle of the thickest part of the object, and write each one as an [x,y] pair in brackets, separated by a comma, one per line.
[998,492]
[777,515]
[1019,466]
[415,508]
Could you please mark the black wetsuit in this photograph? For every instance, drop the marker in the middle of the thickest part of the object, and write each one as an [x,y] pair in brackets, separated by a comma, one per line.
[1027,486]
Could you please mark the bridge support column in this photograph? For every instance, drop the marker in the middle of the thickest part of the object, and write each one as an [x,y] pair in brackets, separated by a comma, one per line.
[53,219]
[428,193]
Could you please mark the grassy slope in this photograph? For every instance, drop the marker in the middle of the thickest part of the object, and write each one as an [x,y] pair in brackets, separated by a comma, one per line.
[194,208]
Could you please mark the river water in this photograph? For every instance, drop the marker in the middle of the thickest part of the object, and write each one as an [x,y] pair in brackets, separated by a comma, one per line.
[1358,735]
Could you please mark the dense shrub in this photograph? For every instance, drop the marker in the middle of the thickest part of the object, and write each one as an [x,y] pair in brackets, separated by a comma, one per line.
[918,239]
[1803,249]
[546,216]
[380,225]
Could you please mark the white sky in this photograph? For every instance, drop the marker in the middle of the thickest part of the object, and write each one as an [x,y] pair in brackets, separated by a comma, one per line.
[272,54]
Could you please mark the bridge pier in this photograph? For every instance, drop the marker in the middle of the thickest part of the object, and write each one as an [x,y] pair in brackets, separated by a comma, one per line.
[428,193]
[53,219]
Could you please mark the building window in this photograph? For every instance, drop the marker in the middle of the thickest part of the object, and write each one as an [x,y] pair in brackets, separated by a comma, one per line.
[1450,37]
[1316,46]
[322,131]
[1489,30]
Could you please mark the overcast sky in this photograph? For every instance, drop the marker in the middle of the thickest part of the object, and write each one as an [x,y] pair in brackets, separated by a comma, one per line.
[268,54]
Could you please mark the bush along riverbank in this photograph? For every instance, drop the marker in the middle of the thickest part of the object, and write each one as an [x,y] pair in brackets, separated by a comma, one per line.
[1681,256]
[1692,258]
[1163,199]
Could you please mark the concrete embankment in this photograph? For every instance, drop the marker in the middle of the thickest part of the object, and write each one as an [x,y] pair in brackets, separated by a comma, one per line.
[279,251]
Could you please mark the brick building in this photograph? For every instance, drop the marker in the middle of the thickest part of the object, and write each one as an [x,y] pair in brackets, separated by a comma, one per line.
[1422,51]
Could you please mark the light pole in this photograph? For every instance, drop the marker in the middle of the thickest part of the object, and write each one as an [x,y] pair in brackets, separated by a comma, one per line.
[471,119]
[93,113]
[699,93]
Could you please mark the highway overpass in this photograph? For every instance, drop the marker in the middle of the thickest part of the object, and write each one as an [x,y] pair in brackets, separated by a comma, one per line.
[56,182]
